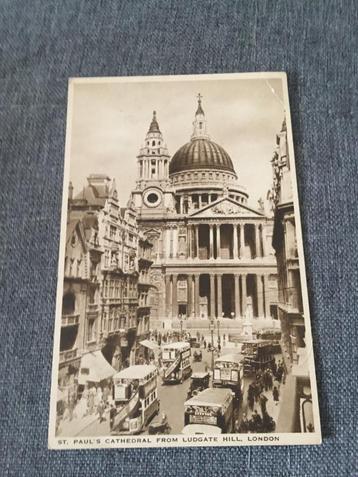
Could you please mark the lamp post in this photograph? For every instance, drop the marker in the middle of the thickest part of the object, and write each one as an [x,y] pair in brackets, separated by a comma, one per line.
[211,328]
[219,339]
[181,326]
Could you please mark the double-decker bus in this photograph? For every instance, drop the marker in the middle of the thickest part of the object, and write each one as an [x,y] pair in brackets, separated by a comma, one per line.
[258,354]
[229,373]
[176,362]
[209,412]
[136,398]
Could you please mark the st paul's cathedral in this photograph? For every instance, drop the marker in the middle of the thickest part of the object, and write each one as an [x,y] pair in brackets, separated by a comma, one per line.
[212,251]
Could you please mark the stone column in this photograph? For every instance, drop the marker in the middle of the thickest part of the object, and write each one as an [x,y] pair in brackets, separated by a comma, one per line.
[235,254]
[197,295]
[174,301]
[237,296]
[197,241]
[167,242]
[260,296]
[212,295]
[219,296]
[167,295]
[181,204]
[175,242]
[170,296]
[242,240]
[243,294]
[266,296]
[188,245]
[218,240]
[189,295]
[199,197]
[257,241]
[264,244]
[211,241]
[192,283]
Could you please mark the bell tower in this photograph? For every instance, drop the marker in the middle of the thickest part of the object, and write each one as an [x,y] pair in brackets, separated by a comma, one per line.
[153,194]
[153,157]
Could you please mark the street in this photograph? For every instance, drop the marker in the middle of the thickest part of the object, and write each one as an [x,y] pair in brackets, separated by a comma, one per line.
[172,398]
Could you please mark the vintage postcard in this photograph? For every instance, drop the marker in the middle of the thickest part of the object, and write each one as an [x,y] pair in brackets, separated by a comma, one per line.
[182,308]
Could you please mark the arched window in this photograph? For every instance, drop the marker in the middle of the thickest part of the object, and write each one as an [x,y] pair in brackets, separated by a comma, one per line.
[153,143]
[68,303]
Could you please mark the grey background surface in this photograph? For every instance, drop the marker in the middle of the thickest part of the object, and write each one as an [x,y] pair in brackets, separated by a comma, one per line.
[42,43]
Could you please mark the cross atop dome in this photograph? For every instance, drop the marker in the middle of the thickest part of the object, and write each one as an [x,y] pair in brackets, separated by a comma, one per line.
[200,109]
[199,123]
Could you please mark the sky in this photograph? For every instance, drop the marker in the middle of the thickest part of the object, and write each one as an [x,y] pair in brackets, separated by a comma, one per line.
[110,121]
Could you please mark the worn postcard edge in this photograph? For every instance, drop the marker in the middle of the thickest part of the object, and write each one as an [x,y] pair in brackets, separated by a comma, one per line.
[59,443]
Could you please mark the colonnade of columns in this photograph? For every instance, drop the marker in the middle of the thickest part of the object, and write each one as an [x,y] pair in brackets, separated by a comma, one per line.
[234,303]
[158,170]
[237,239]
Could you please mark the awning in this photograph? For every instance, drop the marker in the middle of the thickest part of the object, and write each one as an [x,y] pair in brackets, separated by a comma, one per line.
[150,344]
[94,368]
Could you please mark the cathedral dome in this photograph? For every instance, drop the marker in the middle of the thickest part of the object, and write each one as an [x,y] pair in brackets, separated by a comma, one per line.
[201,153]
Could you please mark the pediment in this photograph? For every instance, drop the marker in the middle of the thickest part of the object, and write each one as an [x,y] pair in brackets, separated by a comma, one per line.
[226,207]
[151,232]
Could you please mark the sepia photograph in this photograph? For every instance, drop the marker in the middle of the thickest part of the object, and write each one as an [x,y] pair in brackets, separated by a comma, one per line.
[182,309]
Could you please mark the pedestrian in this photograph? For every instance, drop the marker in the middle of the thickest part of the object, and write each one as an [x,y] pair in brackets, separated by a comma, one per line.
[263,401]
[219,347]
[112,415]
[257,421]
[90,400]
[204,344]
[276,395]
[105,394]
[244,426]
[251,397]
[100,409]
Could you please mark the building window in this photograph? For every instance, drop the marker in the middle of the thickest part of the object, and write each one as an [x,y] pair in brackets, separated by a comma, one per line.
[112,232]
[106,258]
[111,287]
[153,143]
[91,330]
[68,304]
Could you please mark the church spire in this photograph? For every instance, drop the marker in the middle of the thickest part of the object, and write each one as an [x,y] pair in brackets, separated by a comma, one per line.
[199,124]
[153,157]
[154,126]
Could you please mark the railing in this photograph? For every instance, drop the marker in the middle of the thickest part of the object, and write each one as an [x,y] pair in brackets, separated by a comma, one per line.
[68,355]
[70,319]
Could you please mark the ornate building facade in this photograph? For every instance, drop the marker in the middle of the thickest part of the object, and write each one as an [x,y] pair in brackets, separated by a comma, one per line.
[80,323]
[211,250]
[296,410]
[100,302]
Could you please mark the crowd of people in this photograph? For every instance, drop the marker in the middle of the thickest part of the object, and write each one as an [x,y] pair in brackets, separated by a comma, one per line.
[265,381]
[94,400]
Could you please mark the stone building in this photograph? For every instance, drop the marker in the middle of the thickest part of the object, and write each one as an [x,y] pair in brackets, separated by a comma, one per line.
[80,321]
[290,308]
[145,260]
[117,270]
[297,405]
[211,250]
